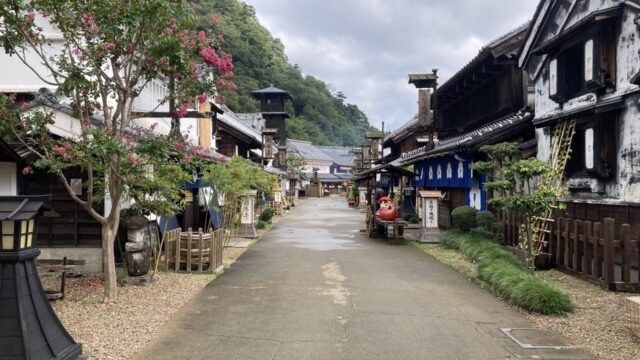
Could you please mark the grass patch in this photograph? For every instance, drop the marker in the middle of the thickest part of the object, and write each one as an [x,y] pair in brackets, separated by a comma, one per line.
[505,276]
[451,258]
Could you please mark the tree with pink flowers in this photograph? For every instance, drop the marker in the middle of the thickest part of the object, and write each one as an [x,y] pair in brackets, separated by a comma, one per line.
[108,52]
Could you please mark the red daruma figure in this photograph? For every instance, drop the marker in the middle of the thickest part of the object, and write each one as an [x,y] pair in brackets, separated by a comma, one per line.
[388,209]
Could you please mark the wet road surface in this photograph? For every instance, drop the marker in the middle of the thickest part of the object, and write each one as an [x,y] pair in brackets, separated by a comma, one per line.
[314,287]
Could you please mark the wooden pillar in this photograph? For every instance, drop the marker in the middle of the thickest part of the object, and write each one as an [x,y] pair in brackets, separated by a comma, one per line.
[609,251]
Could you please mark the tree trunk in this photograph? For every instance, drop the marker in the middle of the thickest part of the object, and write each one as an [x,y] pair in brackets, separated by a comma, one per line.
[531,256]
[108,261]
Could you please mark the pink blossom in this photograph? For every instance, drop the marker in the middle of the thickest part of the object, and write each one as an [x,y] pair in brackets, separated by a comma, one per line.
[179,146]
[221,38]
[67,157]
[202,36]
[220,99]
[88,37]
[154,126]
[24,105]
[78,155]
[130,48]
[13,96]
[30,17]
[110,46]
[216,20]
[187,158]
[26,170]
[232,86]
[182,112]
[133,159]
[202,98]
[174,20]
[222,84]
[58,149]
[67,146]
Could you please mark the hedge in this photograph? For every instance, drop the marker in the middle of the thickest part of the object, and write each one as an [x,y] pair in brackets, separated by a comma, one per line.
[505,276]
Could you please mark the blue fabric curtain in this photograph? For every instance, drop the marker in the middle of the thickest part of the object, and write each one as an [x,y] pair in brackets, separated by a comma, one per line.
[449,171]
[171,223]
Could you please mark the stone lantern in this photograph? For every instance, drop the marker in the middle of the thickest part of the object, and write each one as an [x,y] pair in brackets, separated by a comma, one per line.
[29,328]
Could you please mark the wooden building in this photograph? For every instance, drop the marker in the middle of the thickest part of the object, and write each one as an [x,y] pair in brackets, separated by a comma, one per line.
[583,58]
[485,102]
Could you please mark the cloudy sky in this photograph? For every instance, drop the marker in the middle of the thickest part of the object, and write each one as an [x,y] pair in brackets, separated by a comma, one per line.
[366,48]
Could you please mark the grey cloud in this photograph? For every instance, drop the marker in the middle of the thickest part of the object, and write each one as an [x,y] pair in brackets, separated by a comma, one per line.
[366,48]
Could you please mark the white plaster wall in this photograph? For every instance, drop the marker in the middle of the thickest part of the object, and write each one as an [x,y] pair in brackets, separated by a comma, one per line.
[189,126]
[543,136]
[628,56]
[628,171]
[544,105]
[15,76]
[321,169]
[8,179]
[91,256]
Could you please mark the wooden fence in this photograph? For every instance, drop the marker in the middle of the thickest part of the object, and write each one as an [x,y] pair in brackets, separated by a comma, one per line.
[190,250]
[599,251]
[592,250]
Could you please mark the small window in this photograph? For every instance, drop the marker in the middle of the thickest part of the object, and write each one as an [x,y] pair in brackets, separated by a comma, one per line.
[553,77]
[588,60]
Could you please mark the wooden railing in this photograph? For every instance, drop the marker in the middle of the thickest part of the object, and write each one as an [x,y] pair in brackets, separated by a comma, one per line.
[191,251]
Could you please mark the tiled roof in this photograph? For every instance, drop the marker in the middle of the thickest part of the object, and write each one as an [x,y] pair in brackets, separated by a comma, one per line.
[254,120]
[271,90]
[470,138]
[490,49]
[306,150]
[232,119]
[406,127]
[340,155]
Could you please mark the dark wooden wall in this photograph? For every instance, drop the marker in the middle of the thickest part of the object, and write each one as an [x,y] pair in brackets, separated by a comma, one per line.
[74,227]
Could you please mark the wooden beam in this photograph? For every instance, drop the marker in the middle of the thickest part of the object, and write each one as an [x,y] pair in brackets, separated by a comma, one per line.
[167,114]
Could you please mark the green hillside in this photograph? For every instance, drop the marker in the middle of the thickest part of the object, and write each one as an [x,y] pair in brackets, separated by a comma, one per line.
[260,60]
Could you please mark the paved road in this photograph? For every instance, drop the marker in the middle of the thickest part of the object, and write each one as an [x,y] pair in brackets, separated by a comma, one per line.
[315,288]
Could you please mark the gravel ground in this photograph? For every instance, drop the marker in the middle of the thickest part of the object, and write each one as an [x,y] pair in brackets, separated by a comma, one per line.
[117,331]
[597,324]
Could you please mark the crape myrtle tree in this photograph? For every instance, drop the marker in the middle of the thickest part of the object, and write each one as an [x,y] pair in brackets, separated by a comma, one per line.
[108,52]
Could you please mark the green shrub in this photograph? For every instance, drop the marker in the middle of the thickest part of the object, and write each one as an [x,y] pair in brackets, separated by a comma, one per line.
[412,218]
[267,214]
[487,225]
[261,224]
[506,276]
[464,217]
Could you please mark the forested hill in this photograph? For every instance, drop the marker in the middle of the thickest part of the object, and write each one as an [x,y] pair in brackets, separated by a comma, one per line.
[260,60]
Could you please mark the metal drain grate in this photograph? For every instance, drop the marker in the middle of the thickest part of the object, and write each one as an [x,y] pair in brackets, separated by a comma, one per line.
[528,338]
